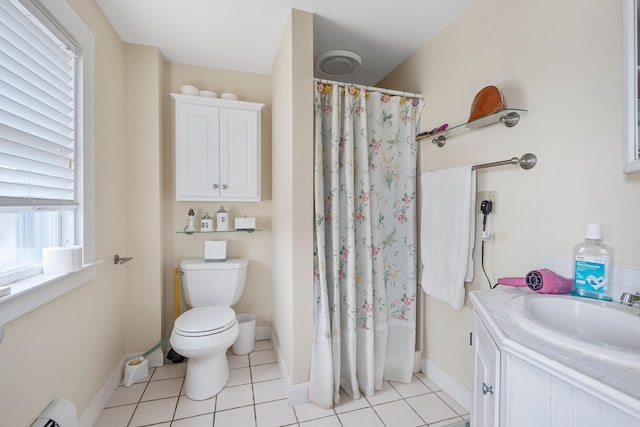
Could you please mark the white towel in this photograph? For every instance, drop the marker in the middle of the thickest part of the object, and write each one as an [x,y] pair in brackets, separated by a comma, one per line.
[447,232]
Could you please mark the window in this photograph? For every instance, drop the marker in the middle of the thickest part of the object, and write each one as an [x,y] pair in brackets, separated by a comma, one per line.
[39,138]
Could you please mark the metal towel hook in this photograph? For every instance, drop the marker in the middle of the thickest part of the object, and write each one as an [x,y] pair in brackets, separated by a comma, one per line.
[121,260]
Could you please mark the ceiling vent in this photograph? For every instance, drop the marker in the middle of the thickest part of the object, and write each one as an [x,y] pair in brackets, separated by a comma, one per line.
[338,62]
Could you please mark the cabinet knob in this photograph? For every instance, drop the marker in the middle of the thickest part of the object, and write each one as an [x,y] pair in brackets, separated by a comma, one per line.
[215,186]
[225,186]
[487,389]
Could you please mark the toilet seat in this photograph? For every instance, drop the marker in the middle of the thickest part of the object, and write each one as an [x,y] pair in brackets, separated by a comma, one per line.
[203,321]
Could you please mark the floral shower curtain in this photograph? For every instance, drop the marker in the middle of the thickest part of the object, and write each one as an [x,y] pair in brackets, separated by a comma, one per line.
[365,262]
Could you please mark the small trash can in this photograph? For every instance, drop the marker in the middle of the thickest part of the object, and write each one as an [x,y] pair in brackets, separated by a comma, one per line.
[247,337]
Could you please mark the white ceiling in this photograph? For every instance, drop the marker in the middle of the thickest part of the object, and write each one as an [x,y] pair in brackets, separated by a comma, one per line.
[243,35]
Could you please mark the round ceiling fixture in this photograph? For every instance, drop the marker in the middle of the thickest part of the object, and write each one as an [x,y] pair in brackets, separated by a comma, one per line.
[338,62]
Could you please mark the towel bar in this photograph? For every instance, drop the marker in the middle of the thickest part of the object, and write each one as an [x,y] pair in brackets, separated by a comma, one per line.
[527,161]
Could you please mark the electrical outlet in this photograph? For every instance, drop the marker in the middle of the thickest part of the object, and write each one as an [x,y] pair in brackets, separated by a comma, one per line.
[487,195]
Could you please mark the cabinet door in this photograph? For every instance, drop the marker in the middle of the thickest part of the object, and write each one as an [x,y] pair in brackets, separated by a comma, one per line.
[239,154]
[197,151]
[486,380]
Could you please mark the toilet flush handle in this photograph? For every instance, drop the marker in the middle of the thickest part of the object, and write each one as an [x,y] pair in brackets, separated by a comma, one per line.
[117,259]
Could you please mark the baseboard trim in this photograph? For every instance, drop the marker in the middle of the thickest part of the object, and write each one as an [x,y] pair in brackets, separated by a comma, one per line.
[447,383]
[263,333]
[296,393]
[92,413]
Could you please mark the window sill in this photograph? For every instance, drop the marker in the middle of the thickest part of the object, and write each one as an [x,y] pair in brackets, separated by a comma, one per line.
[29,294]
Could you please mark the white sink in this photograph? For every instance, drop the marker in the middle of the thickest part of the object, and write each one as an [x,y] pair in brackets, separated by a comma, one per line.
[606,330]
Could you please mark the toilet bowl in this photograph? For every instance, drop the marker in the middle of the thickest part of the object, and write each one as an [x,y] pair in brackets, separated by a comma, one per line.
[203,335]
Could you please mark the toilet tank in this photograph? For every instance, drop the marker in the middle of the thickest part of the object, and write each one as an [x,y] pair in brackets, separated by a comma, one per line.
[207,284]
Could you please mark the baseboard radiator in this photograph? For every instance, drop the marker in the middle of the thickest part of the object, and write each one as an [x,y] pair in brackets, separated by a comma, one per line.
[59,413]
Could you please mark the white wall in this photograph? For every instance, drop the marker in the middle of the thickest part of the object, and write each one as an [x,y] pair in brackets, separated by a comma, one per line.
[69,347]
[292,160]
[561,60]
[143,203]
[255,246]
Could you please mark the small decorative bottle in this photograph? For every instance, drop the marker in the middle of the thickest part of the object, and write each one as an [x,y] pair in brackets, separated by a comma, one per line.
[222,220]
[206,223]
[190,228]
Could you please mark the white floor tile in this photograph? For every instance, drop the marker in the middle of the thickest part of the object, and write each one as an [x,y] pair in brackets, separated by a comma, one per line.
[416,388]
[163,388]
[262,345]
[262,357]
[118,416]
[453,422]
[154,412]
[460,410]
[272,414]
[170,370]
[423,378]
[398,414]
[256,394]
[199,421]
[238,377]
[384,395]
[349,404]
[238,361]
[331,421]
[124,395]
[431,408]
[234,397]
[190,408]
[244,417]
[268,391]
[270,371]
[309,411]
[361,417]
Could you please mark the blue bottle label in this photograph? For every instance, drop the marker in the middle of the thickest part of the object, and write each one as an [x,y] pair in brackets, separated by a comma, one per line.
[590,273]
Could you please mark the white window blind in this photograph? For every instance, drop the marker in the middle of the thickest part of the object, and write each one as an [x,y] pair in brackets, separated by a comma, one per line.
[37,110]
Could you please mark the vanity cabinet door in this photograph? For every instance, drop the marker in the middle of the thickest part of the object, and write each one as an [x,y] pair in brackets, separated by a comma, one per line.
[217,149]
[486,381]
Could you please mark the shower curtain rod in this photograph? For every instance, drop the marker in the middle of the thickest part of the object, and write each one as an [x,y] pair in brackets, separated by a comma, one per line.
[527,161]
[371,88]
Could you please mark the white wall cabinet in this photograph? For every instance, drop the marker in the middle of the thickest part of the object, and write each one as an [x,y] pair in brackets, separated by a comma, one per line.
[217,149]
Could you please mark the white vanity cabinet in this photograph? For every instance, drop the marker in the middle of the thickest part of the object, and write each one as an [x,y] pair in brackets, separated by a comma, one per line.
[217,149]
[486,377]
[538,383]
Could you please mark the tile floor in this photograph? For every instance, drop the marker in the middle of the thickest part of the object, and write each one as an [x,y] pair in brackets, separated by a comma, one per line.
[255,396]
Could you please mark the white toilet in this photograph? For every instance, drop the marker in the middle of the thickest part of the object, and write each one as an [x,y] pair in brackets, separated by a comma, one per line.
[204,333]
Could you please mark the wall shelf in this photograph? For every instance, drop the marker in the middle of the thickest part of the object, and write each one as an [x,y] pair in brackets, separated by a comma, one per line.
[216,232]
[509,117]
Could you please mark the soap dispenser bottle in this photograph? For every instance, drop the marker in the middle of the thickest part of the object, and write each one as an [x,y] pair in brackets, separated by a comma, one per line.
[593,266]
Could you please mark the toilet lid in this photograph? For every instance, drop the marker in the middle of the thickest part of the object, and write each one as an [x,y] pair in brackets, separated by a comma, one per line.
[205,321]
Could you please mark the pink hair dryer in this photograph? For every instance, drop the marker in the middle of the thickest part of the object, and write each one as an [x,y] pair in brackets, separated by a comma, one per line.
[543,281]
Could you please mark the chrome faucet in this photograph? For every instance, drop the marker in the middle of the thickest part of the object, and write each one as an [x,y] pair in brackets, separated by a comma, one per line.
[630,299]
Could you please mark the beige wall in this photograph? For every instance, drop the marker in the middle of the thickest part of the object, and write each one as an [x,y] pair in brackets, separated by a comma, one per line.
[69,347]
[255,246]
[292,87]
[562,62]
[143,192]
